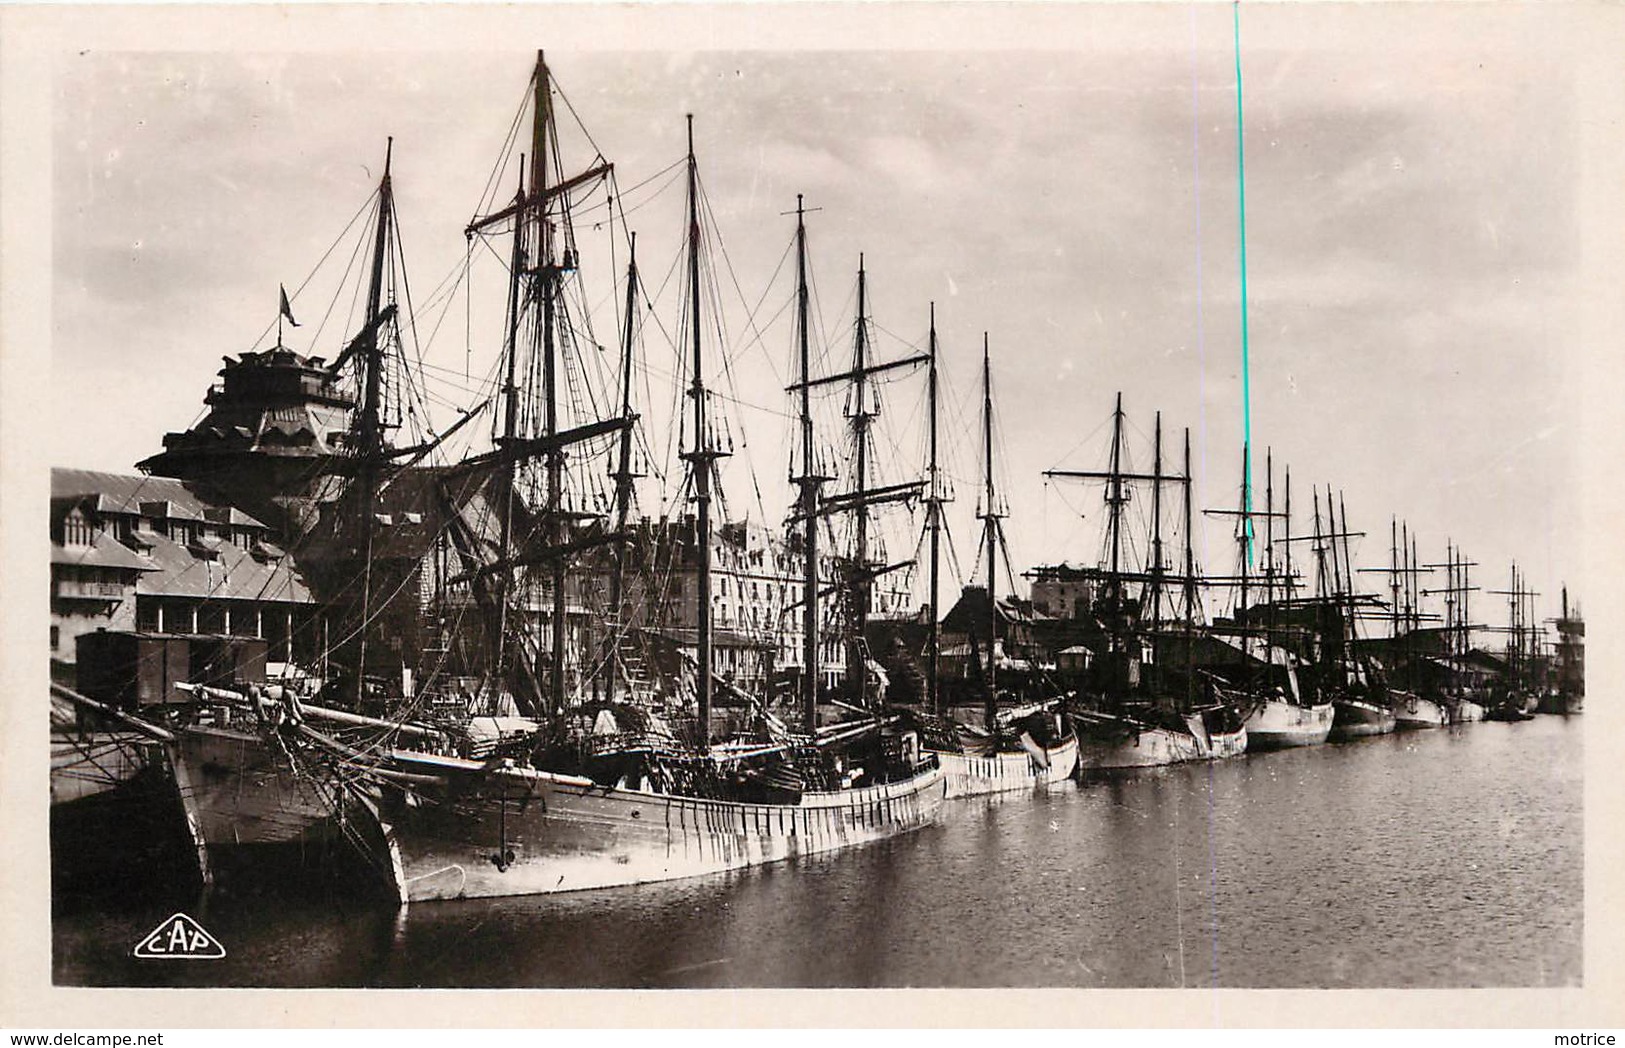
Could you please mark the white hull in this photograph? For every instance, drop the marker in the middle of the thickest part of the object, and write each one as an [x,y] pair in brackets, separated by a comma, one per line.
[1156,746]
[1466,711]
[1412,712]
[1357,719]
[971,775]
[1275,724]
[238,789]
[519,831]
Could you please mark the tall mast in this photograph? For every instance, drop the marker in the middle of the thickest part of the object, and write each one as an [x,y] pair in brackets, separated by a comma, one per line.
[371,430]
[1416,613]
[991,534]
[933,509]
[1243,533]
[510,425]
[529,428]
[703,456]
[856,676]
[1156,527]
[1326,588]
[623,475]
[1269,532]
[1458,621]
[1114,524]
[809,481]
[554,459]
[1348,568]
[1286,516]
[1393,576]
[1464,610]
[1190,582]
[1406,541]
[1190,553]
[1451,605]
[370,427]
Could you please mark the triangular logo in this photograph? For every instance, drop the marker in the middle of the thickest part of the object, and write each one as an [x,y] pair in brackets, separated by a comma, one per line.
[180,938]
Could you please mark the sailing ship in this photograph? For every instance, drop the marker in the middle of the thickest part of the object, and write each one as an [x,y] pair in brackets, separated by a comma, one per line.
[1137,709]
[1343,671]
[1516,694]
[1281,712]
[1413,711]
[113,799]
[621,795]
[285,433]
[1024,741]
[1567,696]
[1453,688]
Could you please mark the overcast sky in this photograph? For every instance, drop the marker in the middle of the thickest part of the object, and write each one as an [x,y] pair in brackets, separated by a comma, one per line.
[1413,243]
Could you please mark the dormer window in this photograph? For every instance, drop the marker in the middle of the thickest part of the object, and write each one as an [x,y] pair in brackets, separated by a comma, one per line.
[266,553]
[76,530]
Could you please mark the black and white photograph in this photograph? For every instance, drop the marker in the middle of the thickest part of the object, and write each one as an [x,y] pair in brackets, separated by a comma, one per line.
[1089,497]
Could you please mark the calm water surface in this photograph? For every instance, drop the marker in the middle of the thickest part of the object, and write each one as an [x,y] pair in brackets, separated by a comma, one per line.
[1439,858]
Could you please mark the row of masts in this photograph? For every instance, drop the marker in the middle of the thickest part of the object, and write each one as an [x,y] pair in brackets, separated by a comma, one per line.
[533,295]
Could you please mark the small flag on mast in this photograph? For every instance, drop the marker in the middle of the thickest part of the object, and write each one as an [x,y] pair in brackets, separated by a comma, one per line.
[287,310]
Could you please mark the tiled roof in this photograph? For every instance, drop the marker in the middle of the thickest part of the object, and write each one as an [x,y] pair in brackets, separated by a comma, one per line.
[105,552]
[235,575]
[171,569]
[126,493]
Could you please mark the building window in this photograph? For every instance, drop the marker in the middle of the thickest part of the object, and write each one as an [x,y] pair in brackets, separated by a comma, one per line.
[56,637]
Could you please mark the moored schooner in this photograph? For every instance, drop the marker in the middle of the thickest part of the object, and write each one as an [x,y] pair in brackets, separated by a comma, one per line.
[1568,691]
[621,794]
[1141,702]
[1024,741]
[1413,708]
[1344,672]
[303,441]
[1281,709]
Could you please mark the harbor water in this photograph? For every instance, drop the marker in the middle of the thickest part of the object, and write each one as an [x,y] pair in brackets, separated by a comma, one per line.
[1444,858]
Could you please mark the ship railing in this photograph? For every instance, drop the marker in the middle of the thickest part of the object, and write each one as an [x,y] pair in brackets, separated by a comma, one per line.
[628,742]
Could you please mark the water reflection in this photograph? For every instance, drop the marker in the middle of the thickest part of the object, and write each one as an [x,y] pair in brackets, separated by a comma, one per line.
[1440,858]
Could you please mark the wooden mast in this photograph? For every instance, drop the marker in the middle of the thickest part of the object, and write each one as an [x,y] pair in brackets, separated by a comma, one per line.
[990,518]
[703,456]
[1155,582]
[1243,537]
[1190,552]
[623,476]
[554,459]
[1288,584]
[858,591]
[369,426]
[1348,575]
[1156,527]
[1190,582]
[534,277]
[934,522]
[1269,542]
[809,481]
[510,427]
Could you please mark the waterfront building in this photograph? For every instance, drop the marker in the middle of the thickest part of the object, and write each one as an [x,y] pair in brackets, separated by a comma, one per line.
[152,555]
[756,597]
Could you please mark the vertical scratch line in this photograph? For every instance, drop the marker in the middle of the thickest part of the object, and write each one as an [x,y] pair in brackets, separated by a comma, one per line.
[1246,374]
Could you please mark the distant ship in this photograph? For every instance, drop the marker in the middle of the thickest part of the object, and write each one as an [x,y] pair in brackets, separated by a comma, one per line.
[1281,712]
[1568,692]
[1143,703]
